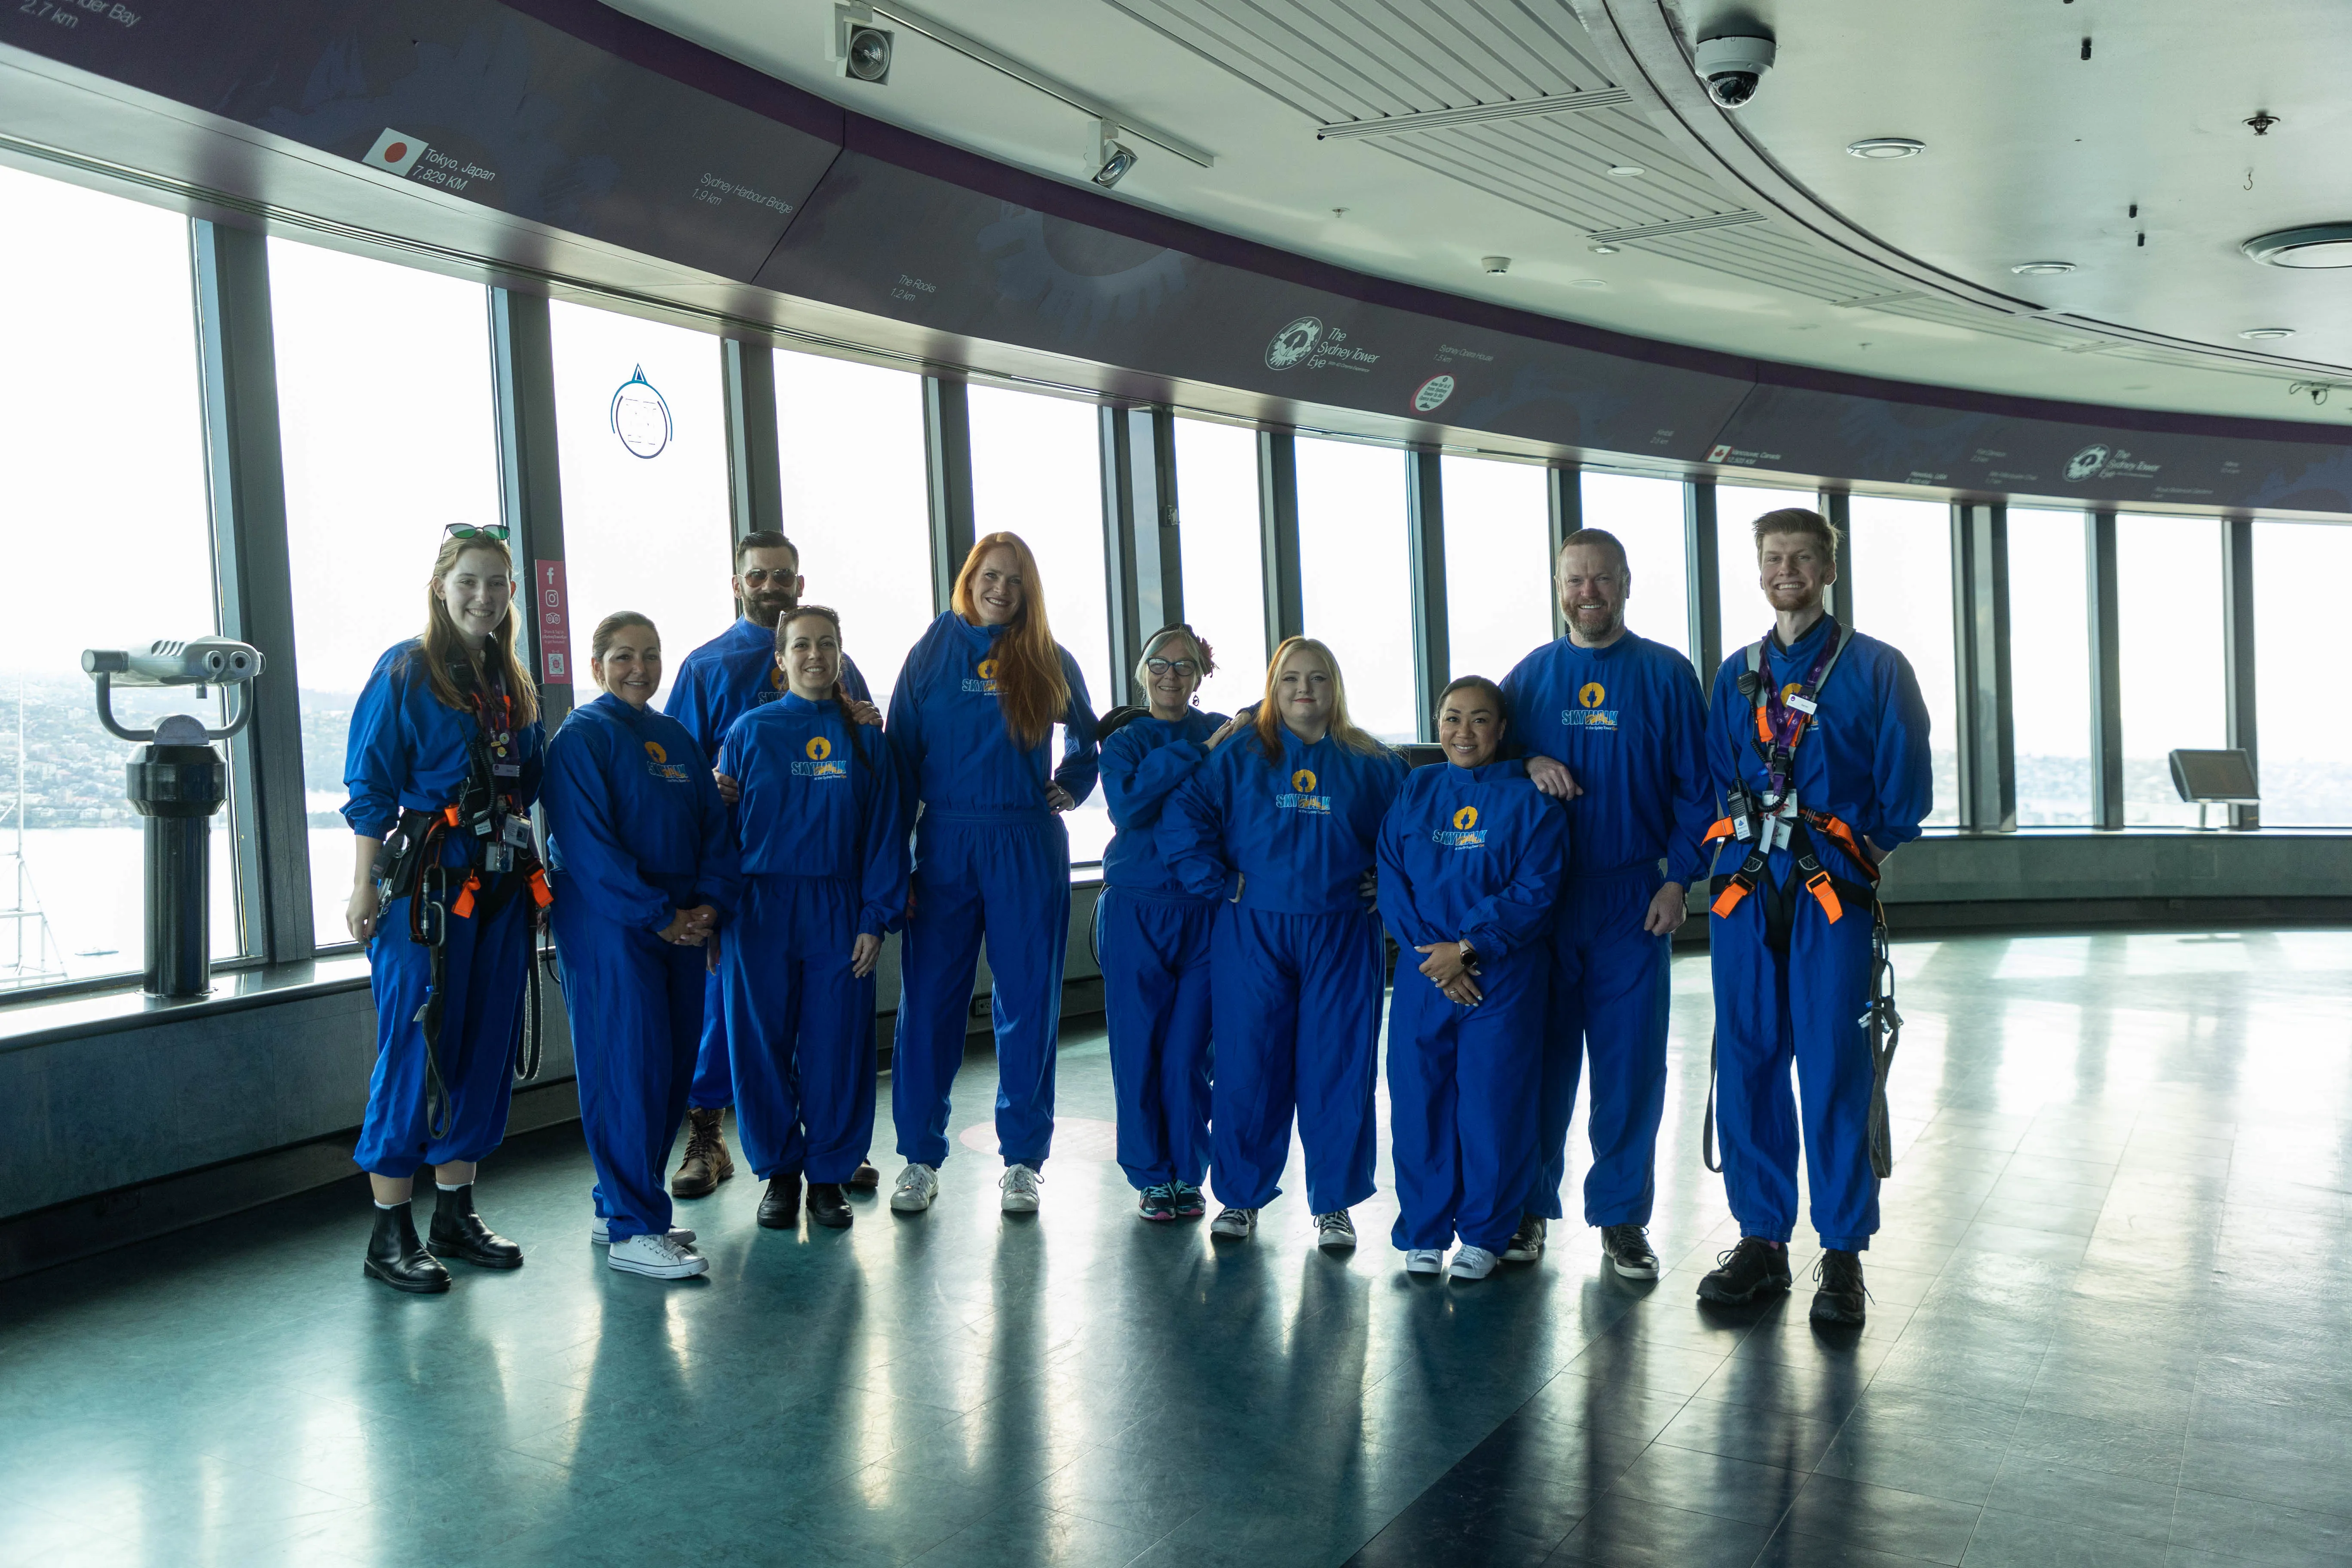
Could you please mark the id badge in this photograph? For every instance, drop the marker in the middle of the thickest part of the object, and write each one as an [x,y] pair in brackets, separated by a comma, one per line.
[498,857]
[507,770]
[516,832]
[1804,705]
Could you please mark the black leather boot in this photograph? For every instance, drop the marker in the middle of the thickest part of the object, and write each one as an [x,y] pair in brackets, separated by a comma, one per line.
[395,1257]
[780,1206]
[828,1205]
[459,1232]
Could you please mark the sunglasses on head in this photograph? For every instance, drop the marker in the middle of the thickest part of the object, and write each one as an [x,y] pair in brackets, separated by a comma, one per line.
[496,530]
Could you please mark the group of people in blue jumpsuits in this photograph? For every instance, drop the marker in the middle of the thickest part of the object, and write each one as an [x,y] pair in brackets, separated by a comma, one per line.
[720,877]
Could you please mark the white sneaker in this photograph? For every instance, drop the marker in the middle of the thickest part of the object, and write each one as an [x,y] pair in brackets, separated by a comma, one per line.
[1019,1185]
[1425,1261]
[599,1233]
[659,1257]
[1234,1224]
[1335,1232]
[918,1185]
[1472,1262]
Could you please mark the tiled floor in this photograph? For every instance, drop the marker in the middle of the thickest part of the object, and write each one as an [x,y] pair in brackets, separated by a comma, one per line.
[2111,1327]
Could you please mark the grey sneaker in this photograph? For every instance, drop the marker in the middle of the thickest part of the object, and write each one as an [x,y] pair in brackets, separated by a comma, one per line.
[1335,1232]
[1019,1185]
[1234,1224]
[1526,1243]
[918,1185]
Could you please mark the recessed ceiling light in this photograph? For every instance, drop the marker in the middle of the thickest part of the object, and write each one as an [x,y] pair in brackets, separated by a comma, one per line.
[2266,334]
[1604,251]
[2322,245]
[2042,268]
[1880,148]
[1587,283]
[1626,170]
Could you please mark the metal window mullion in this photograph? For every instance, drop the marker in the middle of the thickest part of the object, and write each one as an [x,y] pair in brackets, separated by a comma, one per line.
[530,482]
[1424,517]
[1702,577]
[1838,506]
[2237,653]
[1277,518]
[1564,493]
[755,475]
[245,478]
[1141,559]
[2106,671]
[1979,547]
[947,463]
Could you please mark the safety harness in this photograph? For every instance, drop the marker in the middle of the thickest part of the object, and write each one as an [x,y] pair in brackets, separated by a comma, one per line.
[1774,818]
[501,859]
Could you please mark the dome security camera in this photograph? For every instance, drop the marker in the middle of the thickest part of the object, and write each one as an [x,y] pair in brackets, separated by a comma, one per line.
[1732,67]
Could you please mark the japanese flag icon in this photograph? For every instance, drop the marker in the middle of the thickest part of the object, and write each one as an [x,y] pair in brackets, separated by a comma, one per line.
[396,152]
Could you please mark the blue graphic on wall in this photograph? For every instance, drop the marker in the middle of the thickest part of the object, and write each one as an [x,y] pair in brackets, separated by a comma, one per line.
[640,416]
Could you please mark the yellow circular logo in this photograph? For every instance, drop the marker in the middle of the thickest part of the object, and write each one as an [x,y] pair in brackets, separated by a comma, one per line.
[775,678]
[1303,781]
[1467,817]
[1789,691]
[988,670]
[819,748]
[1593,695]
[654,750]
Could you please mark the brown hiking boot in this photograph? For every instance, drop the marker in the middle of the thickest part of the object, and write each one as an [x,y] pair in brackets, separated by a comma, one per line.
[706,1163]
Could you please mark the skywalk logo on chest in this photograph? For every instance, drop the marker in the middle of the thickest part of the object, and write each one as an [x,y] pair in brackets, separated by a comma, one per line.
[1588,713]
[1301,795]
[982,681]
[1466,833]
[658,765]
[817,760]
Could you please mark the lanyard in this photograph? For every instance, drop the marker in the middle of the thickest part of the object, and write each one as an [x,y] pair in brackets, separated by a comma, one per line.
[1781,723]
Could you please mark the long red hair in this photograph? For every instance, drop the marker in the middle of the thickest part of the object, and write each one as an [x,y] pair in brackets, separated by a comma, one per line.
[1029,685]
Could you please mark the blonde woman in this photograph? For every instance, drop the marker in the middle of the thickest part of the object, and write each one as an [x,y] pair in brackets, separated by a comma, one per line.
[1281,824]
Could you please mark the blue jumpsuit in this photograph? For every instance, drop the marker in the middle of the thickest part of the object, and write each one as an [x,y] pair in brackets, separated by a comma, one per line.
[1152,940]
[1475,854]
[408,751]
[825,861]
[717,684]
[635,832]
[1626,721]
[1295,957]
[990,858]
[1865,761]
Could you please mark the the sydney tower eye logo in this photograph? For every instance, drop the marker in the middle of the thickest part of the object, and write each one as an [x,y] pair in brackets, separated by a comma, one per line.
[640,417]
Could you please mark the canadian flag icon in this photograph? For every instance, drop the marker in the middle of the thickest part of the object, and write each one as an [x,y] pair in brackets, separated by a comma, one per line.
[395,151]
[1719,453]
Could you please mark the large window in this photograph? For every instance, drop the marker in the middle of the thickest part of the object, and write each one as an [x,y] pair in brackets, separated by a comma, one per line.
[1745,614]
[1036,470]
[1497,571]
[2050,667]
[1902,593]
[640,445]
[1224,562]
[1356,579]
[2305,747]
[1647,516]
[2169,605]
[384,413]
[854,502]
[108,545]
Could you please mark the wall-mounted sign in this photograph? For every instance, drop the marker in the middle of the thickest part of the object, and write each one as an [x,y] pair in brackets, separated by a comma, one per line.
[640,417]
[554,623]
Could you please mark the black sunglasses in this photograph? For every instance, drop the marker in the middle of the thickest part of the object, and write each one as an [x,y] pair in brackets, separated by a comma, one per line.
[496,530]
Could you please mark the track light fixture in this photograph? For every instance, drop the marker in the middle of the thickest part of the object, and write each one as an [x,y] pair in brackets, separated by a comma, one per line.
[861,51]
[1112,157]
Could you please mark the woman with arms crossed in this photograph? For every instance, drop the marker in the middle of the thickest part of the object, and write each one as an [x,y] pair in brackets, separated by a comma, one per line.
[824,862]
[645,869]
[1471,860]
[1279,826]
[1151,938]
[971,715]
[443,763]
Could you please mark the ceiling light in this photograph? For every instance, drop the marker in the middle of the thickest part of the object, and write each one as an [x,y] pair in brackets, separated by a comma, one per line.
[2266,334]
[2042,268]
[2322,245]
[1626,170]
[1604,251]
[1113,158]
[1587,283]
[1494,263]
[1880,148]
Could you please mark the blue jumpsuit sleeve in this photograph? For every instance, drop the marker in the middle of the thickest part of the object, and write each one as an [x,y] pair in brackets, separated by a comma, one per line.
[1192,830]
[1081,758]
[719,863]
[1906,781]
[1137,781]
[1397,910]
[580,818]
[1693,787]
[533,777]
[904,725]
[1520,910]
[1514,706]
[374,757]
[883,884]
[853,681]
[689,704]
[1723,737]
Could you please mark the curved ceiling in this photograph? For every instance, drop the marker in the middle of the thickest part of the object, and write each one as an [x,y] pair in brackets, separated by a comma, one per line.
[1777,245]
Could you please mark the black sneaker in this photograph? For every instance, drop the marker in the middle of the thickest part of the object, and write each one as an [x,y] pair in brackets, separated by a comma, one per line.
[1746,1271]
[1526,1243]
[1841,1297]
[1626,1248]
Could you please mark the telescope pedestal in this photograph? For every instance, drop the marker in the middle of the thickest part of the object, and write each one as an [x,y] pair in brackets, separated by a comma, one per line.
[177,787]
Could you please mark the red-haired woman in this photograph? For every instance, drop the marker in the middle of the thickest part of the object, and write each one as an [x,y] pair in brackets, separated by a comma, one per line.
[444,760]
[971,719]
[1280,823]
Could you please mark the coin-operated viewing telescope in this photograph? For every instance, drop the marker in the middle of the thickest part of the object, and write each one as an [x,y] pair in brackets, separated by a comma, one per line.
[176,780]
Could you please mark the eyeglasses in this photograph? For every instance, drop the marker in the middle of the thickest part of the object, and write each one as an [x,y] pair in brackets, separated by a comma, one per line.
[496,530]
[1182,666]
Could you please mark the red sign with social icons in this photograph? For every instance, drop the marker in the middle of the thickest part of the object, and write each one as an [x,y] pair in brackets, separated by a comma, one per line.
[554,623]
